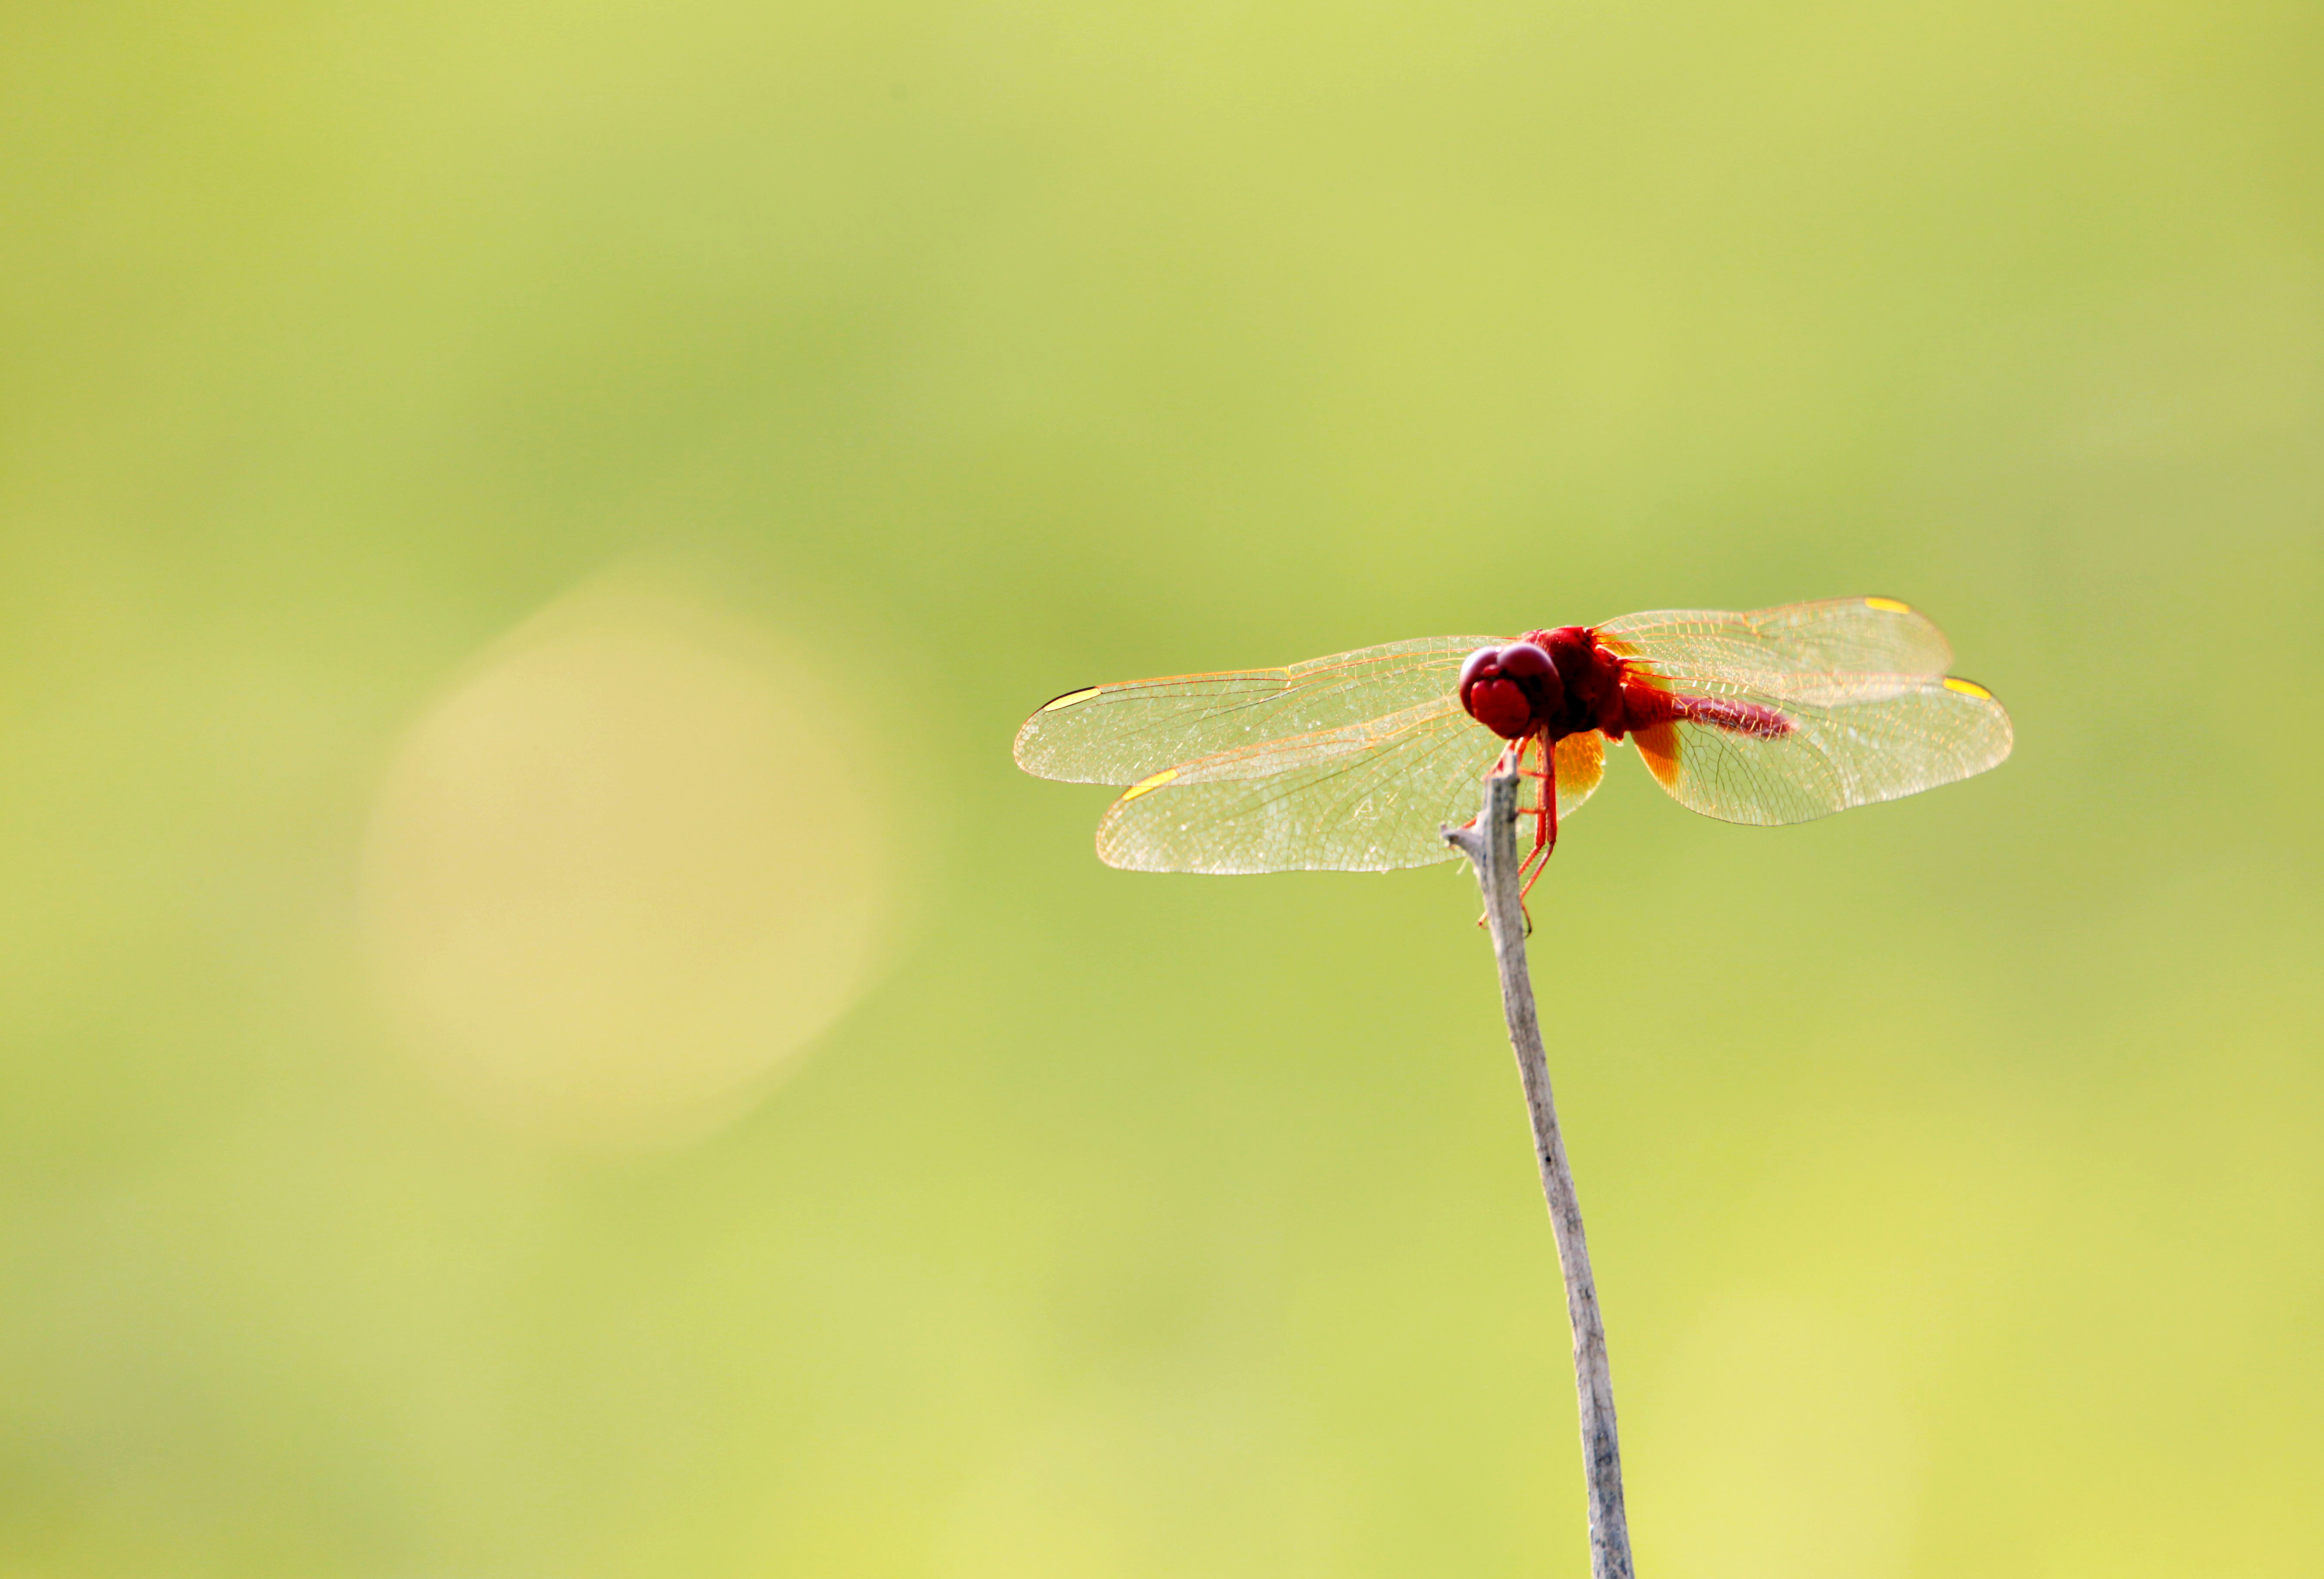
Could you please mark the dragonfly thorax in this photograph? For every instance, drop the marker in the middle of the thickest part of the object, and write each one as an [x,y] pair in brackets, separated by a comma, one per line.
[1591,679]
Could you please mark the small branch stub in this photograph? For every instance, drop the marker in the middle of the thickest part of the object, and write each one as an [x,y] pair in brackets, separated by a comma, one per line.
[1490,843]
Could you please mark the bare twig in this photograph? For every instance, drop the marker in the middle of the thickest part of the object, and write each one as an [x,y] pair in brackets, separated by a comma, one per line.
[1492,846]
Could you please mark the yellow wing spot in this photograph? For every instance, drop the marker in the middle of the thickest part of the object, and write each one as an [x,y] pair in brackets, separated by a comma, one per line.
[1156,782]
[1070,697]
[1968,688]
[1886,606]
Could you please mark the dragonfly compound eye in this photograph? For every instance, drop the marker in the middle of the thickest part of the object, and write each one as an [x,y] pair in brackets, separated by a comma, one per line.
[1511,690]
[1524,660]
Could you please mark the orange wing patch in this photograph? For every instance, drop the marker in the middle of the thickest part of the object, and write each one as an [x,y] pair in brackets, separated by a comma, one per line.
[1658,745]
[1580,763]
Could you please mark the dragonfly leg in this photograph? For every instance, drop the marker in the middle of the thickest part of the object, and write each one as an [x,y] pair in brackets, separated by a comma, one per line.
[1545,822]
[1545,813]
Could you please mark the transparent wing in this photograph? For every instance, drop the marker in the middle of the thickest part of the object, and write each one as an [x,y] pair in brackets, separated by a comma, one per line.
[1123,734]
[1368,797]
[1841,635]
[1844,740]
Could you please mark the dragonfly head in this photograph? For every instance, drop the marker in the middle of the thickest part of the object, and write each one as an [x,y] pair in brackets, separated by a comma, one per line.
[1512,690]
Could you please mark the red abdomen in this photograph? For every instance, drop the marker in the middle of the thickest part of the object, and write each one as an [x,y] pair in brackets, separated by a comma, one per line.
[1645,703]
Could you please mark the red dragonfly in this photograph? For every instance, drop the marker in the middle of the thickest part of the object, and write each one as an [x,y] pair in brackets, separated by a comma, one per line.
[1352,764]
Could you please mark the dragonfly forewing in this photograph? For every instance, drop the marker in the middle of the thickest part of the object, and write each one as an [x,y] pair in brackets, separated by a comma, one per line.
[1123,734]
[1840,635]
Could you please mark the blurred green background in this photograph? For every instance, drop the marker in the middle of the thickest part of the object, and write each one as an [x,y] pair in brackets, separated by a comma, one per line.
[544,1034]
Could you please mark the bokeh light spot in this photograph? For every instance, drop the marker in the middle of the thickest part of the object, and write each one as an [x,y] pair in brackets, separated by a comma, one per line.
[622,872]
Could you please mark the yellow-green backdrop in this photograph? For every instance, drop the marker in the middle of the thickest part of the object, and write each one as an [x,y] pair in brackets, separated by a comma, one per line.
[542,1034]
